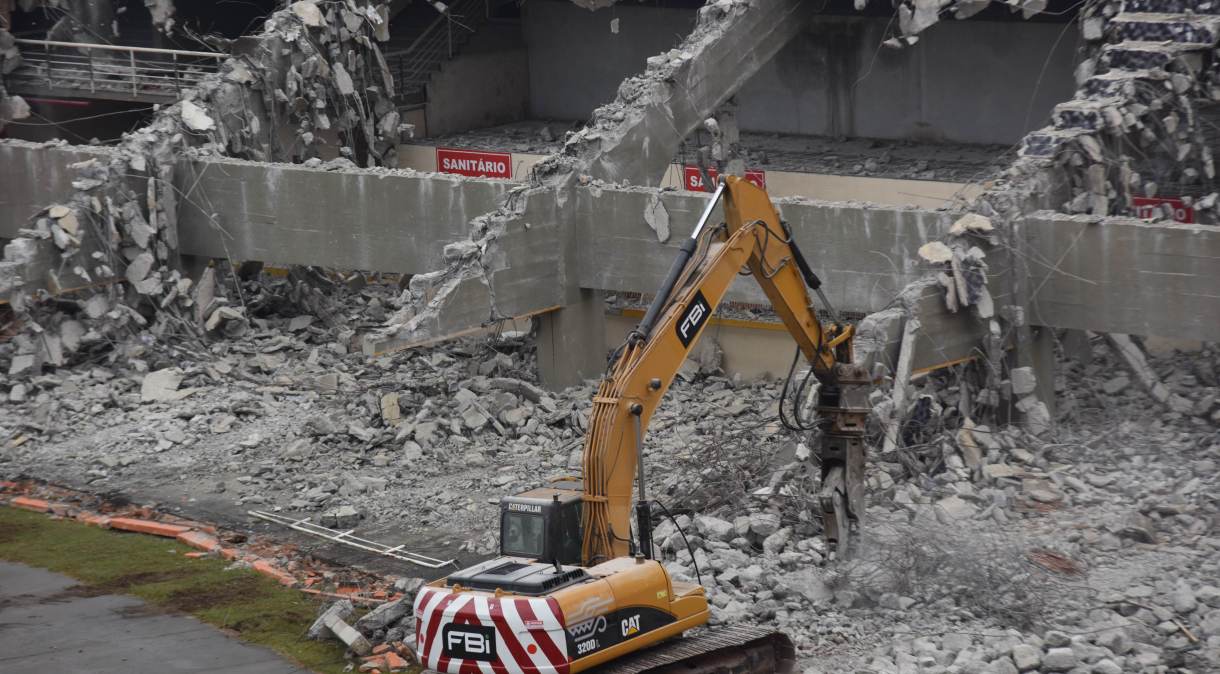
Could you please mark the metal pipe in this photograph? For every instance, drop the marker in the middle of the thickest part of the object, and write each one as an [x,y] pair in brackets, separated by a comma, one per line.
[707,212]
[675,271]
[643,512]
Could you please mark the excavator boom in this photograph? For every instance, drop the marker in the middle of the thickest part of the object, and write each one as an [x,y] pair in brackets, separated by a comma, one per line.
[644,367]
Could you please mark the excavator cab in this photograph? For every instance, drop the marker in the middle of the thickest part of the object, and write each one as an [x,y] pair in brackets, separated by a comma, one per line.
[542,524]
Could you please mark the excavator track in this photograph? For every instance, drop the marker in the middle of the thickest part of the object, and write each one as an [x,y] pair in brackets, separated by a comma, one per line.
[730,649]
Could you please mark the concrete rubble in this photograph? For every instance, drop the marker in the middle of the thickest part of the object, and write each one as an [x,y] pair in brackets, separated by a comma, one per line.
[1136,123]
[995,524]
[12,107]
[1079,537]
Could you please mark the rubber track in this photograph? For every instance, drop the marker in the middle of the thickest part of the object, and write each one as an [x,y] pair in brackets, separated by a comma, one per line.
[736,649]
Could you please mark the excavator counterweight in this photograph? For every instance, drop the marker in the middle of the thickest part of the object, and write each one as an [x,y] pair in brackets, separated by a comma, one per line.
[574,590]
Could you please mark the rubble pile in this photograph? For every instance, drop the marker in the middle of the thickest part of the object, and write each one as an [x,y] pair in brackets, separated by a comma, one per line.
[1137,126]
[980,542]
[988,549]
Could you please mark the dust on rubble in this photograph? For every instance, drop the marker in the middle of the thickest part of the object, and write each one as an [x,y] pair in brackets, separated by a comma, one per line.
[952,565]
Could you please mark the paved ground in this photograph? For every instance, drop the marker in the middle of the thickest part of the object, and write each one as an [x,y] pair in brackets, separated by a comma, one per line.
[49,624]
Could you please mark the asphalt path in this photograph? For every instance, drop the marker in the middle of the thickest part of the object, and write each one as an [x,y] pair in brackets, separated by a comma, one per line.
[48,623]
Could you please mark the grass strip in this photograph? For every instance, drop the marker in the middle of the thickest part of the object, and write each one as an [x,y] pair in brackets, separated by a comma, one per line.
[254,608]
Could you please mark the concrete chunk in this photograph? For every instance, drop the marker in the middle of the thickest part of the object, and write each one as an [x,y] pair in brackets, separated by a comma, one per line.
[1023,381]
[341,609]
[162,386]
[348,635]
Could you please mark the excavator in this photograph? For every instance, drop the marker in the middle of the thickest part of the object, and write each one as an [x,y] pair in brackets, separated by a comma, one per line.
[573,589]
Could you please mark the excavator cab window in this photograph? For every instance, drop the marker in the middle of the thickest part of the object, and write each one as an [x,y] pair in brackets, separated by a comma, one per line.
[523,535]
[543,524]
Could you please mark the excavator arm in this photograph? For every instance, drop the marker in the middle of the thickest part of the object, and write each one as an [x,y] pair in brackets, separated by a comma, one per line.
[645,365]
[532,604]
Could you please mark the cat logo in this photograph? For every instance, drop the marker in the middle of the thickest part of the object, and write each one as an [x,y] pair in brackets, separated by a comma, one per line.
[631,625]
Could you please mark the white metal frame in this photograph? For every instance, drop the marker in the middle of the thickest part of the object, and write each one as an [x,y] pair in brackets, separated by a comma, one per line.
[346,538]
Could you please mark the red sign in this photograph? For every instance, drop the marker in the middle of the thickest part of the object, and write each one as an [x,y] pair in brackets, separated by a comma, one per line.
[1150,207]
[474,164]
[692,180]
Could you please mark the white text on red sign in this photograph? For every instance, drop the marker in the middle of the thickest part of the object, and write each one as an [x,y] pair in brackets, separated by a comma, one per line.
[474,164]
[1151,207]
[693,180]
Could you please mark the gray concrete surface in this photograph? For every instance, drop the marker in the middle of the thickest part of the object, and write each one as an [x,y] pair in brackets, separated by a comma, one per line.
[485,85]
[48,626]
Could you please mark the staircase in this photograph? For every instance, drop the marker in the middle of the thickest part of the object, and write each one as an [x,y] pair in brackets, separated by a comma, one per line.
[1145,105]
[422,39]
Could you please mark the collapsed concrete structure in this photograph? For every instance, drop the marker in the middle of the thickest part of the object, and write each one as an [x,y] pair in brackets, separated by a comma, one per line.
[504,271]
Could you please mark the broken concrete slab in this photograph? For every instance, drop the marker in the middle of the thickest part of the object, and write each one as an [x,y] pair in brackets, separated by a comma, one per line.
[348,635]
[162,386]
[341,609]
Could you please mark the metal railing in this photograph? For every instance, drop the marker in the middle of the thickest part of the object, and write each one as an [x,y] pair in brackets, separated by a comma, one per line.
[414,66]
[141,72]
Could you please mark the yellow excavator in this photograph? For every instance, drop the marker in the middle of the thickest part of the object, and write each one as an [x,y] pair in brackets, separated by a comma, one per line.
[573,590]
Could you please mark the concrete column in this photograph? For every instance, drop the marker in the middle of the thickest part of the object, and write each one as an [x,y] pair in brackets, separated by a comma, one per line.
[729,159]
[572,341]
[1045,366]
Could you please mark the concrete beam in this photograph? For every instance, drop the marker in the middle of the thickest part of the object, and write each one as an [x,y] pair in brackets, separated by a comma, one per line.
[1111,275]
[680,89]
[373,220]
[1123,275]
[865,254]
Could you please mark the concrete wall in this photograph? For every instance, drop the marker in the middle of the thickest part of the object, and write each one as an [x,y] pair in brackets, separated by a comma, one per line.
[1128,275]
[1107,275]
[865,254]
[577,64]
[487,84]
[32,178]
[366,220]
[971,81]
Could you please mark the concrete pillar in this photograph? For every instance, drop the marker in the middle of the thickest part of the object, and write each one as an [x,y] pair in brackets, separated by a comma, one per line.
[1045,365]
[572,341]
[727,148]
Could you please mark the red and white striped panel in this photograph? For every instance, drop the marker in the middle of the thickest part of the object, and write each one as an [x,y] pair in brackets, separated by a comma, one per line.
[530,636]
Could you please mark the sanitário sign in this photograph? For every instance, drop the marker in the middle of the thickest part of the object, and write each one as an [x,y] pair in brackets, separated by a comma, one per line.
[474,163]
